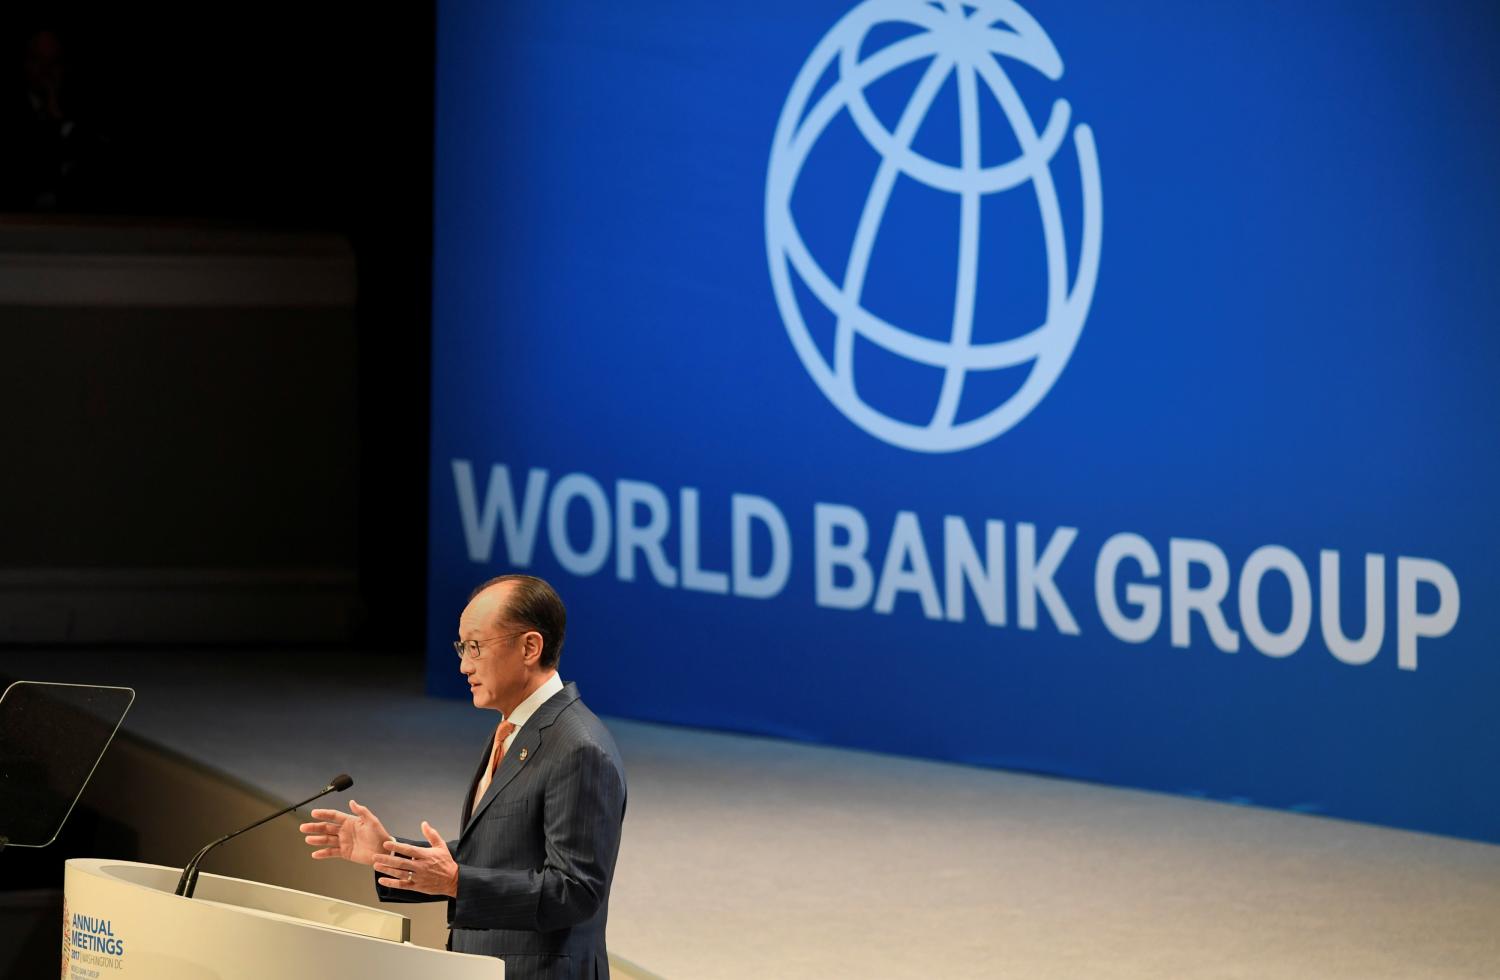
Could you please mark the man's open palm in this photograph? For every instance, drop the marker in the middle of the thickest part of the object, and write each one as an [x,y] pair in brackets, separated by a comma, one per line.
[359,836]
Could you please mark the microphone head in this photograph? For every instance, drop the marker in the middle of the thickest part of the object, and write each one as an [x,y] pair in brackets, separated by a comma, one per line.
[341,782]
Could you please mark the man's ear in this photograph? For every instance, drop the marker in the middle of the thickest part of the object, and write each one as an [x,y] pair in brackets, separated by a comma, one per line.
[533,653]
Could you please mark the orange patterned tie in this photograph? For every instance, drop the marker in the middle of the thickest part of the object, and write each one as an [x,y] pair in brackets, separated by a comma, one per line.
[497,753]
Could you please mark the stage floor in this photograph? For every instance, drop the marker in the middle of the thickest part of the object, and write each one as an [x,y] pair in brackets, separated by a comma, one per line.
[749,857]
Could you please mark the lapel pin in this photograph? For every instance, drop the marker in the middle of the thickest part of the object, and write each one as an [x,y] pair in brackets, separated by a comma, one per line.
[523,753]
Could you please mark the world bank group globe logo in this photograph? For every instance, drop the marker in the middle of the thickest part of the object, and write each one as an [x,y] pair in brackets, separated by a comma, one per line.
[970,52]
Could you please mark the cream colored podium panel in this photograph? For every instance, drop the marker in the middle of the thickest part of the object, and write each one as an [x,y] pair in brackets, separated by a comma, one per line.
[122,922]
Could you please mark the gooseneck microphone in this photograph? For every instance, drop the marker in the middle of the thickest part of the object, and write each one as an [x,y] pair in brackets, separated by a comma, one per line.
[189,880]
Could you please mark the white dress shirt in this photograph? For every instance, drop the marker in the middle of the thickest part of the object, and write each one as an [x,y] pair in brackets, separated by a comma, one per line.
[527,708]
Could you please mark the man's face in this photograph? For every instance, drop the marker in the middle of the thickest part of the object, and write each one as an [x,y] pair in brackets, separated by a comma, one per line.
[499,677]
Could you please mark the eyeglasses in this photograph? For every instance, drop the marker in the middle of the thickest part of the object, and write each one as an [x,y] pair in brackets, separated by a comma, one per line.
[473,649]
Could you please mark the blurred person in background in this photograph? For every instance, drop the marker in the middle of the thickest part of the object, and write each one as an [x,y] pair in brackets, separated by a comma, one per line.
[53,157]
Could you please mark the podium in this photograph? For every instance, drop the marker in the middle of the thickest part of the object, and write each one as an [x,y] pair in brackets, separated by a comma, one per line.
[121,920]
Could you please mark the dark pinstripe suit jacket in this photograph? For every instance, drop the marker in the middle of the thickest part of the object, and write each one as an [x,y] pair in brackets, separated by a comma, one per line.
[536,861]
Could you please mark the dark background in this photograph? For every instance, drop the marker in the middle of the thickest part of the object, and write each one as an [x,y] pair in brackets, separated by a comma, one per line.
[285,118]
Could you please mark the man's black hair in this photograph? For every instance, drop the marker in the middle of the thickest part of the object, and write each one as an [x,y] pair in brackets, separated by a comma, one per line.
[533,604]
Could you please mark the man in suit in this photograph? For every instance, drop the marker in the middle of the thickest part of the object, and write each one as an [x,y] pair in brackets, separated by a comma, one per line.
[528,877]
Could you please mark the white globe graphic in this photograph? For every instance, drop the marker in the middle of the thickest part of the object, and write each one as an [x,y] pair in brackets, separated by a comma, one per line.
[972,40]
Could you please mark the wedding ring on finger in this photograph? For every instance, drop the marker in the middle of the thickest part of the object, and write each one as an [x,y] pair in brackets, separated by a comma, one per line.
[411,876]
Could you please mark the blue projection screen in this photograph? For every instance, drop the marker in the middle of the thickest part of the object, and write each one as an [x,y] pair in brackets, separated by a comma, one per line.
[1097,389]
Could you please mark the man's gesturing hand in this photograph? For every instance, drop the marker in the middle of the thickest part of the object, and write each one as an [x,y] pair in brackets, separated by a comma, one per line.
[359,836]
[430,870]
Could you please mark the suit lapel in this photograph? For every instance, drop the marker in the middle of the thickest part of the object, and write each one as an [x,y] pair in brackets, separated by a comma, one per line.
[484,761]
[522,752]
